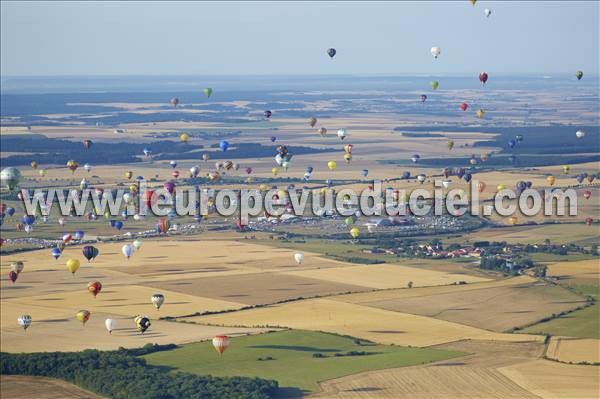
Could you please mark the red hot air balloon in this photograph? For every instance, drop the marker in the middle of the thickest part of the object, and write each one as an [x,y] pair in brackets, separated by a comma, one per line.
[587,194]
[589,221]
[220,342]
[464,106]
[12,275]
[175,174]
[483,77]
[94,287]
[149,198]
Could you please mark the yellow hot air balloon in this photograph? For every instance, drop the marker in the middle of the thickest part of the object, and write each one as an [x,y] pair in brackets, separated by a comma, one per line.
[184,137]
[133,188]
[331,165]
[42,172]
[275,171]
[354,232]
[348,157]
[480,113]
[551,179]
[566,169]
[513,220]
[281,194]
[83,316]
[263,187]
[500,187]
[73,265]
[450,144]
[128,174]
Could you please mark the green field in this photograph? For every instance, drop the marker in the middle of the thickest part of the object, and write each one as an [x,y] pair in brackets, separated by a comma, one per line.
[584,323]
[293,364]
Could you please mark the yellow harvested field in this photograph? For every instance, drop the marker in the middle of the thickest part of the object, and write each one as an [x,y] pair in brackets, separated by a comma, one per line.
[556,233]
[385,276]
[378,325]
[498,305]
[574,350]
[548,379]
[27,387]
[58,330]
[583,272]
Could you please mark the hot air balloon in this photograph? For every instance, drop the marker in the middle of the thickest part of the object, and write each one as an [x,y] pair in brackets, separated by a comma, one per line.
[194,171]
[354,232]
[483,77]
[331,165]
[480,186]
[312,122]
[174,102]
[67,238]
[434,84]
[24,321]
[513,220]
[415,158]
[184,137]
[331,52]
[127,250]
[173,164]
[221,342]
[566,169]
[205,156]
[137,244]
[117,225]
[446,183]
[169,186]
[322,131]
[551,179]
[464,106]
[580,134]
[512,143]
[128,174]
[90,252]
[223,145]
[342,133]
[267,114]
[421,178]
[487,12]
[73,265]
[83,316]
[72,165]
[34,164]
[17,266]
[157,300]
[94,287]
[299,257]
[12,275]
[590,178]
[519,138]
[87,144]
[589,221]
[208,91]
[147,151]
[423,98]
[42,172]
[480,113]
[110,325]
[579,75]
[142,323]
[365,172]
[55,253]
[587,194]
[10,178]
[162,227]
[450,144]
[435,52]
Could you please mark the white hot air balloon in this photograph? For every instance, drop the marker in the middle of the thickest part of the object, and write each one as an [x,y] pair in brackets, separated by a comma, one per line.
[137,244]
[580,134]
[127,250]
[446,183]
[435,51]
[110,325]
[87,167]
[157,300]
[24,321]
[342,133]
[299,257]
[487,12]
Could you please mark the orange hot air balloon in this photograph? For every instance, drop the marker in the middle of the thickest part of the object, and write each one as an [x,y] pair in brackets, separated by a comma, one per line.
[481,186]
[94,287]
[551,179]
[220,342]
[513,220]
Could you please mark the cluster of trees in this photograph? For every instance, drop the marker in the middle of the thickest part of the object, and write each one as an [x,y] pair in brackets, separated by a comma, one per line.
[122,375]
[510,266]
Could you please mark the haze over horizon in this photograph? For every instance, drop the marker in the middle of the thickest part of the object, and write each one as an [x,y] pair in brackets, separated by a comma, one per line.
[268,38]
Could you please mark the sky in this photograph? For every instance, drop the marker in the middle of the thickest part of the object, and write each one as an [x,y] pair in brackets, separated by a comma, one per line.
[287,38]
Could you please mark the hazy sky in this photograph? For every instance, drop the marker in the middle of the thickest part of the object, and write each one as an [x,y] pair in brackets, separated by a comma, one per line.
[187,38]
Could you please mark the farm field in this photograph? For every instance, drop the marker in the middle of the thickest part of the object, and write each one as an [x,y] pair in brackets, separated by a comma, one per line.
[576,273]
[377,325]
[292,358]
[25,387]
[573,350]
[497,306]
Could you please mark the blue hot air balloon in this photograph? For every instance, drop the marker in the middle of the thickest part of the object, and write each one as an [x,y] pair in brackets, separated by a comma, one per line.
[467,177]
[512,143]
[79,235]
[118,225]
[406,175]
[56,253]
[10,211]
[223,145]
[365,172]
[28,220]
